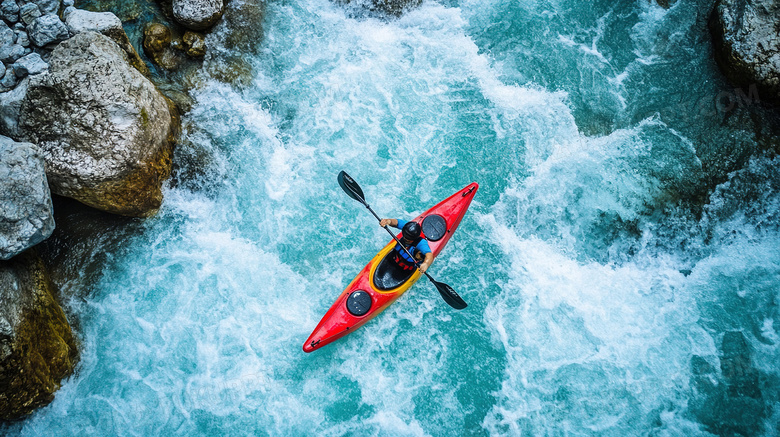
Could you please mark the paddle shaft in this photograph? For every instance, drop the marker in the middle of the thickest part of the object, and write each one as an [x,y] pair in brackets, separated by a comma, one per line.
[397,241]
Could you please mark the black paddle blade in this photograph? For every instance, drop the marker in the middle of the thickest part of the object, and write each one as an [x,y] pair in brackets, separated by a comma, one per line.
[449,295]
[351,187]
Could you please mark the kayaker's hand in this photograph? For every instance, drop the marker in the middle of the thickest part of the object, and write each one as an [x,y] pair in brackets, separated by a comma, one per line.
[385,222]
[423,267]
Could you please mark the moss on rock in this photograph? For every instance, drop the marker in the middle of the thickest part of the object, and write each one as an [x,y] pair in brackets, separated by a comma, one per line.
[37,348]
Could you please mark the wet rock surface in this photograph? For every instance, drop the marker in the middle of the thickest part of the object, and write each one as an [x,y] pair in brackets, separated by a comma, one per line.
[195,44]
[37,348]
[747,45]
[158,47]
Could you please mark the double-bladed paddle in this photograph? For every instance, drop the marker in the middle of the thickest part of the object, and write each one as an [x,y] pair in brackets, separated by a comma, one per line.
[354,191]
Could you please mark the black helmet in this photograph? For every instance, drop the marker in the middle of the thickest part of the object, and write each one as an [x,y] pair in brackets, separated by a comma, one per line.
[411,231]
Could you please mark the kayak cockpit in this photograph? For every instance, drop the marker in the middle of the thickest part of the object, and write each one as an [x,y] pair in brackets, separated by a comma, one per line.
[389,275]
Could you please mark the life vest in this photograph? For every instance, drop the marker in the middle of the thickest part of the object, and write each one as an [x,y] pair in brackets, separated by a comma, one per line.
[402,258]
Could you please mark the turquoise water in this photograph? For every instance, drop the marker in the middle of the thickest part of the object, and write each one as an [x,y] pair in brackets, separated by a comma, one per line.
[604,298]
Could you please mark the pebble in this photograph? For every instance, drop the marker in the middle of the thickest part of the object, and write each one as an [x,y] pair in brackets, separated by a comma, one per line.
[47,29]
[22,38]
[29,65]
[7,36]
[9,78]
[10,53]
[9,10]
[29,13]
[48,6]
[195,44]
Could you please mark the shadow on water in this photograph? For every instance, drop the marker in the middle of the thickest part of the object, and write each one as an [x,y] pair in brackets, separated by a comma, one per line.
[85,241]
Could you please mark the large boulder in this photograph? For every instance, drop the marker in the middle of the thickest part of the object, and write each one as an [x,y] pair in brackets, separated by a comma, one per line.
[37,349]
[79,20]
[197,14]
[239,33]
[105,131]
[747,45]
[25,201]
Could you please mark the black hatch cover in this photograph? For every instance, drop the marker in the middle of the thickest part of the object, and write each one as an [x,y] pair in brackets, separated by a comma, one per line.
[358,303]
[434,227]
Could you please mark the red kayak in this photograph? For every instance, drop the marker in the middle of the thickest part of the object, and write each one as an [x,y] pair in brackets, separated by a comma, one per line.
[381,282]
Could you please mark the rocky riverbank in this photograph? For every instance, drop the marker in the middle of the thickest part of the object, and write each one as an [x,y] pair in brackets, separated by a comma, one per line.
[79,117]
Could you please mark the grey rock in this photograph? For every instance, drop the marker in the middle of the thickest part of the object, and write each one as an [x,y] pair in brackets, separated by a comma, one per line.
[197,14]
[37,348]
[79,20]
[747,45]
[108,24]
[22,38]
[29,65]
[105,131]
[47,29]
[11,104]
[48,6]
[9,79]
[7,36]
[9,54]
[29,12]
[68,3]
[19,26]
[25,201]
[9,11]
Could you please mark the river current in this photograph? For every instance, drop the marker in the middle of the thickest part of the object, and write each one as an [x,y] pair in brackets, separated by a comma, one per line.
[620,260]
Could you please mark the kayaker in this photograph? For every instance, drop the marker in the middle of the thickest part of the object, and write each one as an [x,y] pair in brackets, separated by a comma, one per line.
[413,241]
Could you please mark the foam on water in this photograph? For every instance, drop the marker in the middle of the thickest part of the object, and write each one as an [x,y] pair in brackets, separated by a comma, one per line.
[589,346]
[598,304]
